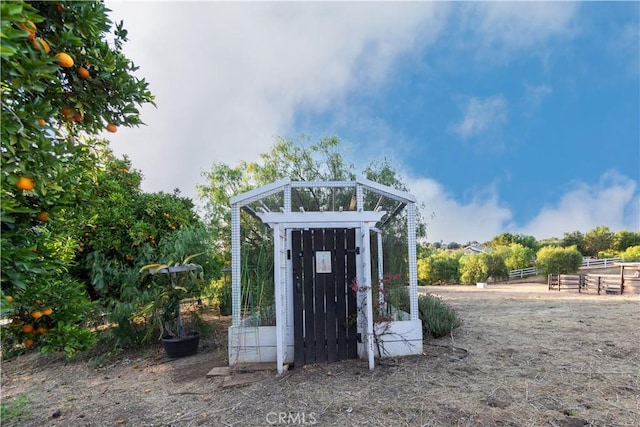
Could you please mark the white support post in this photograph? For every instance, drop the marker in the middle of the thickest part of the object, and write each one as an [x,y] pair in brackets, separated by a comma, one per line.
[277,277]
[235,265]
[413,264]
[287,198]
[380,271]
[366,257]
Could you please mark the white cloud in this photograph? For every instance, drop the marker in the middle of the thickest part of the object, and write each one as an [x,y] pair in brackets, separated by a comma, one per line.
[449,220]
[624,47]
[534,95]
[229,77]
[481,115]
[501,28]
[613,201]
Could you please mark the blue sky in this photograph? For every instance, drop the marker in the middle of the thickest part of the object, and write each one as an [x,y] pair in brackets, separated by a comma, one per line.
[502,116]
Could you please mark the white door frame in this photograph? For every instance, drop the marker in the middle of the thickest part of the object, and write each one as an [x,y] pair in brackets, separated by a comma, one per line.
[282,223]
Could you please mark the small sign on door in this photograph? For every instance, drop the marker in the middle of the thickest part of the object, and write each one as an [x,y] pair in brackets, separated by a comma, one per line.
[323,261]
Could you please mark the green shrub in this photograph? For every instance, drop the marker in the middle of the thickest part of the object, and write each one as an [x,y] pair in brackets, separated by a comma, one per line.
[476,268]
[473,269]
[441,267]
[558,260]
[632,253]
[219,291]
[438,319]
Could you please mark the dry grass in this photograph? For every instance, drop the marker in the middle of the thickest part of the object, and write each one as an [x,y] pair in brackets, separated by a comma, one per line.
[525,356]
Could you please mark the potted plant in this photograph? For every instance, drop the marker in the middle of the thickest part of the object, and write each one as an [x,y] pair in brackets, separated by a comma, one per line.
[172,283]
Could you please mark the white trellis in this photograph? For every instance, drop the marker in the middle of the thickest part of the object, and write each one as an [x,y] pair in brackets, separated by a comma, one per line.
[250,343]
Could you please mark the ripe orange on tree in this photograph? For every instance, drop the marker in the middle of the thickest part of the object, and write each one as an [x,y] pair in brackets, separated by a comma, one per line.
[47,312]
[28,342]
[25,183]
[78,117]
[27,329]
[41,44]
[29,27]
[67,112]
[43,216]
[41,122]
[83,73]
[9,298]
[36,314]
[41,330]
[64,60]
[112,128]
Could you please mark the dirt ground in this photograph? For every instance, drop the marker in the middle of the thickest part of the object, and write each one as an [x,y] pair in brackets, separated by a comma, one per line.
[525,356]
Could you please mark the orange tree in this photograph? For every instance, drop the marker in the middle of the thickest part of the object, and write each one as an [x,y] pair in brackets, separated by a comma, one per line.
[64,80]
[125,230]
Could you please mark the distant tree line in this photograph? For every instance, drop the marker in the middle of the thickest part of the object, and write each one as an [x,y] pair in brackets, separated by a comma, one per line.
[448,264]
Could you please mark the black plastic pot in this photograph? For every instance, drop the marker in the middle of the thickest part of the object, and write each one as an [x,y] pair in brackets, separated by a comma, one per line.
[181,347]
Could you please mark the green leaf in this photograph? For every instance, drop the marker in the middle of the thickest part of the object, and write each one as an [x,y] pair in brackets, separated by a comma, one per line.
[7,51]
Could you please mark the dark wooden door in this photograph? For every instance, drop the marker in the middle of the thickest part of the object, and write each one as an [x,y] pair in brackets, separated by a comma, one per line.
[324,267]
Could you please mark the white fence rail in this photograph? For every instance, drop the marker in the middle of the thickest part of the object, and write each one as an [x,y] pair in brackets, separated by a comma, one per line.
[586,263]
[522,272]
[600,263]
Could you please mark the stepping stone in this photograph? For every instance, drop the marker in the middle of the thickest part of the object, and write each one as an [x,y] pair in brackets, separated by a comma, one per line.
[239,379]
[219,371]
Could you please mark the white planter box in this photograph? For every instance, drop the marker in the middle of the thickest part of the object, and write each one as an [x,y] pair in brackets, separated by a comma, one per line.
[398,338]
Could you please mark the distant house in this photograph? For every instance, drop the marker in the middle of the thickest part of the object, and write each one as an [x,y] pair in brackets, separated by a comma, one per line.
[475,249]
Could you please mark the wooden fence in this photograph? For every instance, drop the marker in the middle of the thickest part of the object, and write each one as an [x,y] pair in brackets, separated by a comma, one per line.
[600,283]
[566,281]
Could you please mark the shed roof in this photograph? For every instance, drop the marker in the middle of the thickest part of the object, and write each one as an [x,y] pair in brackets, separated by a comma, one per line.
[257,199]
[280,185]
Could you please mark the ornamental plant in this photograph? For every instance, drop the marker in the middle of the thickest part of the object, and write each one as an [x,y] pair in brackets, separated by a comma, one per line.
[171,283]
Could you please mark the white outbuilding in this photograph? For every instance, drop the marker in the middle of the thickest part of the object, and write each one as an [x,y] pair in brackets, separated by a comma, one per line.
[327,264]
